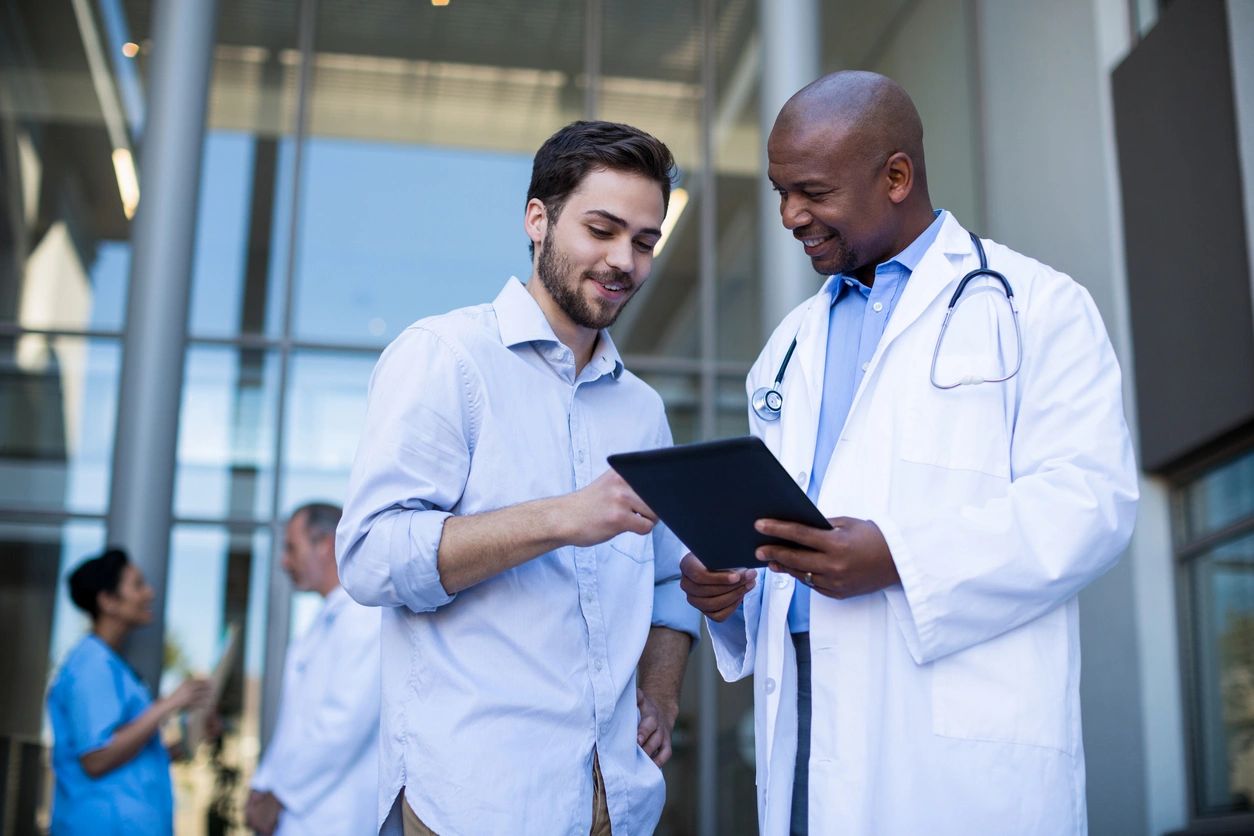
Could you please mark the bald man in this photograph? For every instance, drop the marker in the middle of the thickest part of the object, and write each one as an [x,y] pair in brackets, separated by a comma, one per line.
[916,667]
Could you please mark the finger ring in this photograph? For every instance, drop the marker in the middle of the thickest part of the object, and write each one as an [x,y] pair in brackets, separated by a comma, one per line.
[808,580]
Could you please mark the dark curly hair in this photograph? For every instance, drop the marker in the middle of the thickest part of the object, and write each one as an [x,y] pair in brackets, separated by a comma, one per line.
[567,157]
[94,576]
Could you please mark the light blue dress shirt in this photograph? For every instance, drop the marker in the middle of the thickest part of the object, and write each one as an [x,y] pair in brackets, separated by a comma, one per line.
[94,694]
[855,324]
[495,698]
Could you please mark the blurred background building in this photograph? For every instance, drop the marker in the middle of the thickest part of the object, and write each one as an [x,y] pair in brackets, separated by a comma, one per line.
[313,175]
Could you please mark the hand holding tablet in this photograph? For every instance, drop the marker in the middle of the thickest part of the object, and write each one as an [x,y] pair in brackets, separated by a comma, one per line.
[711,494]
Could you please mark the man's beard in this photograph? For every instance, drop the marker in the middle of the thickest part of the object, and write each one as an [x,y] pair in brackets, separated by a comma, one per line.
[555,273]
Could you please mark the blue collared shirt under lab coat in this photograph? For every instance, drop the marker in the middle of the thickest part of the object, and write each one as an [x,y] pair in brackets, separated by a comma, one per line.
[854,327]
[495,697]
[94,694]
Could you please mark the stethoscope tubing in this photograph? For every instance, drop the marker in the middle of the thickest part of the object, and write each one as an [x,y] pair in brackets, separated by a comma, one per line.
[768,402]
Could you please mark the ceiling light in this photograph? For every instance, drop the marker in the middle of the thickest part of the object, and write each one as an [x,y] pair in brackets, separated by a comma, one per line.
[679,199]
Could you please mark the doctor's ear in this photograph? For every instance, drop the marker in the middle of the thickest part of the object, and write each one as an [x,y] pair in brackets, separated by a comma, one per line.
[536,220]
[899,169]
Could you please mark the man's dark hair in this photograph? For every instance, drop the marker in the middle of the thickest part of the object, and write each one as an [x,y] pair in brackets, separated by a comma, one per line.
[567,157]
[320,519]
[94,576]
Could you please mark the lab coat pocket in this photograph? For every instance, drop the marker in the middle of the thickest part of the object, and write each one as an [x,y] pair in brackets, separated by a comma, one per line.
[1011,689]
[965,428]
[639,547]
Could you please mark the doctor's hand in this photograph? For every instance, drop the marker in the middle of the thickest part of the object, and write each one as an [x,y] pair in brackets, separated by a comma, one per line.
[849,560]
[716,594]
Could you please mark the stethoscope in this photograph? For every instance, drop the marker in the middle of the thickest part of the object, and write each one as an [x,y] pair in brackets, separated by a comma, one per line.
[768,401]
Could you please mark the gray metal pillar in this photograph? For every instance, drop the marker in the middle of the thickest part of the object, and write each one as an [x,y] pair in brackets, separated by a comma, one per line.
[142,492]
[790,61]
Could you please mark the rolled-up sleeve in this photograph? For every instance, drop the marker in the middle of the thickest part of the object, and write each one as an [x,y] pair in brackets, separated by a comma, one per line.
[410,471]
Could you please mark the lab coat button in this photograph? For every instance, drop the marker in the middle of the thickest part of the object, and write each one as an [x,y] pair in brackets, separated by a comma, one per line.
[781,582]
[801,478]
[770,686]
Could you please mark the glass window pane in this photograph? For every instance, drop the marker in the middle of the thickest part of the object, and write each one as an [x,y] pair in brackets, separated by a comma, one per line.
[392,233]
[325,411]
[67,178]
[58,405]
[226,434]
[1223,587]
[1219,498]
[733,407]
[241,235]
[217,577]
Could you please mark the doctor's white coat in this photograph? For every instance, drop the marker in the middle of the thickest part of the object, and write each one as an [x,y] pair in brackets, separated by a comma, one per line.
[949,704]
[322,761]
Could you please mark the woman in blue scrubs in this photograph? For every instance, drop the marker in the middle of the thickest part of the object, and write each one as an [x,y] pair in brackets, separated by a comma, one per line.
[112,770]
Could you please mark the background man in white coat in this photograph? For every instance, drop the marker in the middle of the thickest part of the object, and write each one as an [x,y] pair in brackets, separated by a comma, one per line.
[319,773]
[917,667]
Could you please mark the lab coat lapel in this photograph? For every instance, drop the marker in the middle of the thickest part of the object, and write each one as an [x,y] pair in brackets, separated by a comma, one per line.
[803,395]
[941,267]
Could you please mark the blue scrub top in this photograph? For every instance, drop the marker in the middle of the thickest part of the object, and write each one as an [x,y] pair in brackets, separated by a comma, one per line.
[94,694]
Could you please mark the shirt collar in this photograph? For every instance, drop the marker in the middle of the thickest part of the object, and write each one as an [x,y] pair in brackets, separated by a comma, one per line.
[908,258]
[520,320]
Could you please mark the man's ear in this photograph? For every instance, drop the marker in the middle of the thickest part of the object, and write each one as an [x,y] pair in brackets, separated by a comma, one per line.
[900,173]
[536,220]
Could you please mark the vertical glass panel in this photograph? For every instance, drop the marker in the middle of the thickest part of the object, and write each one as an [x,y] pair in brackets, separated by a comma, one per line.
[391,233]
[58,404]
[1218,498]
[1223,586]
[651,79]
[326,408]
[738,164]
[241,235]
[681,393]
[423,125]
[67,173]
[217,579]
[733,407]
[226,434]
[40,625]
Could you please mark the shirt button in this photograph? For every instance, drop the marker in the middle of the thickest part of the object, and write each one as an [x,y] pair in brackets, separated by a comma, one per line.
[878,306]
[866,366]
[770,686]
[597,664]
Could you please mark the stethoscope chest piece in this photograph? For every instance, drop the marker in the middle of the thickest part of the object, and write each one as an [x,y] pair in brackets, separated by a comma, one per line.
[768,403]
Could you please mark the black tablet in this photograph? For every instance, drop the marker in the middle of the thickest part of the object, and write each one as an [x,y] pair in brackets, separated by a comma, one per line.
[711,494]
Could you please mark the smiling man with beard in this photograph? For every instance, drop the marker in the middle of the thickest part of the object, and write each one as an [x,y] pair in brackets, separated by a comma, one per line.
[534,636]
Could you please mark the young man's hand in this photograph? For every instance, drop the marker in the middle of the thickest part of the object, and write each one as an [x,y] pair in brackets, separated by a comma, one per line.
[604,509]
[654,732]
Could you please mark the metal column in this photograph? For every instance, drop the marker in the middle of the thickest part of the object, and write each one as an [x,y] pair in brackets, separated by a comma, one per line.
[142,490]
[790,60]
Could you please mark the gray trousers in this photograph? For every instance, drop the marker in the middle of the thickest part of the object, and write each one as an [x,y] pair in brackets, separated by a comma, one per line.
[801,771]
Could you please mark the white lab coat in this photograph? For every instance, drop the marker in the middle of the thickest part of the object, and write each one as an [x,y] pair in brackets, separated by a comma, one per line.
[949,704]
[323,759]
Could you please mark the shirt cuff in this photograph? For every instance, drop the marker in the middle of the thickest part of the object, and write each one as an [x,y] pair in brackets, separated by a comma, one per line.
[671,609]
[414,545]
[734,639]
